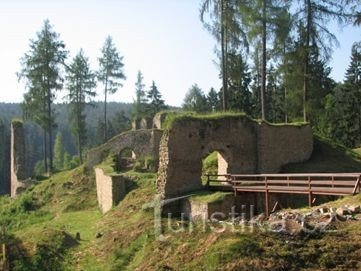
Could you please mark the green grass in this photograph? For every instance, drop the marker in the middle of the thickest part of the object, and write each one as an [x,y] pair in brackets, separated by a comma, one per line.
[43,222]
[175,117]
[358,151]
[210,197]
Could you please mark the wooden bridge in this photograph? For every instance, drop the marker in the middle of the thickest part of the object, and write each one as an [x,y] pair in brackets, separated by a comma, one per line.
[335,184]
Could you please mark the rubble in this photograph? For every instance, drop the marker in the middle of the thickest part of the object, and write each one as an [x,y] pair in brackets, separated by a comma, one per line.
[294,222]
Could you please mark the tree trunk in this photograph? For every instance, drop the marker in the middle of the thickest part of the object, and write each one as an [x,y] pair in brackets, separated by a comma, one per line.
[80,132]
[284,83]
[264,61]
[45,151]
[305,71]
[105,111]
[50,132]
[224,59]
[80,153]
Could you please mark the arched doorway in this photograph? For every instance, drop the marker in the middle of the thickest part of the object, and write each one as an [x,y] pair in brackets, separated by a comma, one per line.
[214,163]
[126,159]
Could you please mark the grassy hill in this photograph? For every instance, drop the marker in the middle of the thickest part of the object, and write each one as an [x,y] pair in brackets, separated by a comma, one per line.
[43,223]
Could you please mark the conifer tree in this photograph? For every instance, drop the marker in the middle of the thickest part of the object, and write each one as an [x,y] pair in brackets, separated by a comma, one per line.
[41,68]
[80,85]
[110,74]
[213,101]
[315,15]
[195,100]
[140,94]
[156,103]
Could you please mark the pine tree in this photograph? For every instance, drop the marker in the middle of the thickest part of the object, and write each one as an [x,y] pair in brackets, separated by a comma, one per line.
[110,74]
[67,160]
[156,103]
[41,68]
[80,84]
[264,21]
[140,101]
[343,108]
[120,122]
[195,100]
[59,152]
[213,101]
[239,82]
[315,15]
[225,27]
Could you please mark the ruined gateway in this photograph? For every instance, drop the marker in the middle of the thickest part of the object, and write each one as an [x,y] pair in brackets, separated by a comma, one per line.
[243,145]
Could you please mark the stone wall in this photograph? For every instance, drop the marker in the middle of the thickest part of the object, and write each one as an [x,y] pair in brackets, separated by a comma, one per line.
[142,124]
[246,145]
[18,176]
[110,189]
[141,142]
[281,145]
[194,209]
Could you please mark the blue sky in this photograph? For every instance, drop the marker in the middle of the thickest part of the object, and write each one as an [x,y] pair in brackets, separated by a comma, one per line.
[162,38]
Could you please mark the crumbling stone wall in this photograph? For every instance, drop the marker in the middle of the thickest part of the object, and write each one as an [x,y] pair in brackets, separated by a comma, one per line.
[141,142]
[246,145]
[199,210]
[110,189]
[142,123]
[17,159]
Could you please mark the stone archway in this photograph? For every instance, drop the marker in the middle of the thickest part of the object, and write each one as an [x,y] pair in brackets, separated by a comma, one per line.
[125,159]
[247,147]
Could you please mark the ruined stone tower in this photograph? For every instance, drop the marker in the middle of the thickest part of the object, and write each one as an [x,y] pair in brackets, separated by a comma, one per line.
[17,159]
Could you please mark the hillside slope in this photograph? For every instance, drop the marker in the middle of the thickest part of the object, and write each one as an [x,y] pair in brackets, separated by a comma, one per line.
[56,225]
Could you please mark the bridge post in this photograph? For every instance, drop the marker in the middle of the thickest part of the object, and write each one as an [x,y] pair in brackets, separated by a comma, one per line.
[309,192]
[266,197]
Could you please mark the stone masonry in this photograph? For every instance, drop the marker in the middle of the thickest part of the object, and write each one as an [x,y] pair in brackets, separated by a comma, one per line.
[18,176]
[245,145]
[141,142]
[110,189]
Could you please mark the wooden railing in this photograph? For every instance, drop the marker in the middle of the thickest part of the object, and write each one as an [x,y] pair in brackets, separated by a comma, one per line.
[218,182]
[337,184]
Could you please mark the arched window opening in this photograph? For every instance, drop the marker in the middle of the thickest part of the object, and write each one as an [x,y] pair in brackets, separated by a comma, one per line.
[126,159]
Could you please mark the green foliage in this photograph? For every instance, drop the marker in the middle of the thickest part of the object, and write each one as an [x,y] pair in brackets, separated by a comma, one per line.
[174,117]
[80,83]
[17,122]
[195,100]
[58,152]
[110,74]
[75,162]
[67,159]
[156,103]
[342,118]
[41,68]
[49,254]
[213,100]
[20,213]
[124,255]
[210,164]
[39,169]
[141,100]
